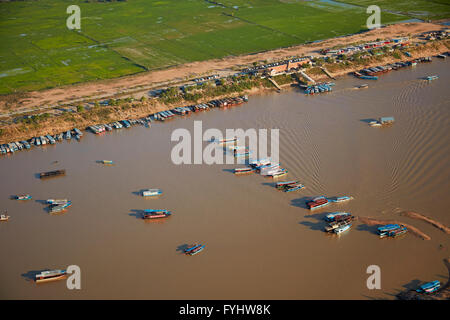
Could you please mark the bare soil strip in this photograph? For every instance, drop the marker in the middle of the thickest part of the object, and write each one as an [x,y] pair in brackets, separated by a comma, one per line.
[422,217]
[372,222]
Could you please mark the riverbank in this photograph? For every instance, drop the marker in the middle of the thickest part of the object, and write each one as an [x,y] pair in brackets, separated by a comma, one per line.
[128,108]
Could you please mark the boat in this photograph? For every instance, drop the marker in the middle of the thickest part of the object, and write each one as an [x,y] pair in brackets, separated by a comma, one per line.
[68,135]
[430,78]
[155,213]
[429,287]
[54,173]
[151,192]
[4,217]
[337,224]
[224,141]
[384,231]
[374,124]
[342,228]
[317,203]
[50,275]
[363,86]
[397,232]
[23,197]
[336,216]
[278,173]
[194,249]
[293,187]
[107,161]
[341,199]
[78,132]
[57,201]
[282,184]
[239,171]
[60,207]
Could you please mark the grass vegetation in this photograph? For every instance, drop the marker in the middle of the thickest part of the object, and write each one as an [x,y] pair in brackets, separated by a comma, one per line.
[126,37]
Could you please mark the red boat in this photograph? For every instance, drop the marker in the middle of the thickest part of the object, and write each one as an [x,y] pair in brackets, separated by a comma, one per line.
[317,203]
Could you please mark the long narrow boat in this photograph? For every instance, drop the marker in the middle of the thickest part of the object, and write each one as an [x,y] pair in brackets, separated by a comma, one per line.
[278,173]
[57,201]
[107,161]
[155,213]
[23,197]
[151,192]
[54,173]
[282,184]
[430,78]
[194,249]
[336,215]
[429,287]
[50,275]
[239,171]
[341,199]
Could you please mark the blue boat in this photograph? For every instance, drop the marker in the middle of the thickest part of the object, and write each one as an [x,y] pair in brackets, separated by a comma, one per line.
[384,231]
[60,207]
[430,78]
[293,187]
[193,250]
[429,287]
[332,216]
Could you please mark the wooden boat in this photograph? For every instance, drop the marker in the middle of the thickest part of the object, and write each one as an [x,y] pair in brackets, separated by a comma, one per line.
[342,228]
[239,171]
[194,249]
[429,287]
[282,184]
[317,203]
[54,173]
[336,215]
[23,197]
[151,192]
[337,224]
[293,187]
[57,201]
[155,213]
[278,173]
[50,275]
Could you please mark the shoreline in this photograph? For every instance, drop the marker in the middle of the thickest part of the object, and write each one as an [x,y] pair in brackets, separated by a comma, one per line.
[138,109]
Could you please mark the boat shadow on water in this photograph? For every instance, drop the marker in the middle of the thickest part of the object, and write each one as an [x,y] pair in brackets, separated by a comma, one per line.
[31,275]
[228,170]
[366,228]
[314,225]
[137,213]
[301,202]
[181,248]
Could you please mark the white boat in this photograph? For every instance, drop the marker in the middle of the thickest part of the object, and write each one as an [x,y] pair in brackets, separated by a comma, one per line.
[342,228]
[4,217]
[151,192]
[57,201]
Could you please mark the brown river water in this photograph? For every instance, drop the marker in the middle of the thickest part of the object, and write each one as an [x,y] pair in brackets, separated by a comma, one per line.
[260,243]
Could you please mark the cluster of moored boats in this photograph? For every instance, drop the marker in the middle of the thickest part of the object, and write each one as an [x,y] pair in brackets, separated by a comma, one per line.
[338,222]
[40,141]
[391,230]
[264,167]
[319,88]
[373,72]
[97,129]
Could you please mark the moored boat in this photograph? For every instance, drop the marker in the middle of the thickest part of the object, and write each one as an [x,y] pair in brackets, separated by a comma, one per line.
[293,187]
[336,215]
[282,184]
[57,201]
[341,199]
[60,207]
[239,171]
[342,228]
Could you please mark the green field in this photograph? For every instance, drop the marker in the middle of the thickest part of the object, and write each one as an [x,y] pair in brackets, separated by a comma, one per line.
[121,38]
